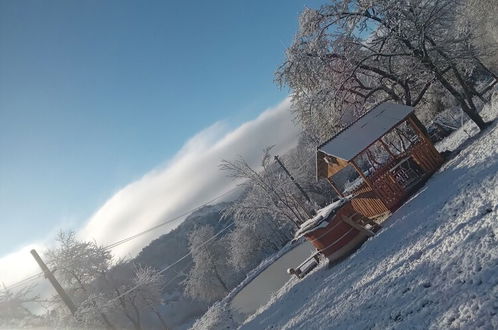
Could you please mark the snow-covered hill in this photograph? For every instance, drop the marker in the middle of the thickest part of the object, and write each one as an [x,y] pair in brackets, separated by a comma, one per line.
[178,309]
[434,265]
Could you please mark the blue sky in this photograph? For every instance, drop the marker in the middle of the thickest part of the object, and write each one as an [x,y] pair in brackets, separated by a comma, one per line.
[94,94]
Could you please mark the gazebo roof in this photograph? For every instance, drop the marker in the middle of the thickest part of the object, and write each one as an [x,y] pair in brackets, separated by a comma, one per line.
[367,129]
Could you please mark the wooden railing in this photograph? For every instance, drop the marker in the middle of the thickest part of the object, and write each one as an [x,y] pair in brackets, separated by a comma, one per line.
[387,193]
[367,202]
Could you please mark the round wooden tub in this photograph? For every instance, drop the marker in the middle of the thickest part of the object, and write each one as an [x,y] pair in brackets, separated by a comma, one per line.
[342,235]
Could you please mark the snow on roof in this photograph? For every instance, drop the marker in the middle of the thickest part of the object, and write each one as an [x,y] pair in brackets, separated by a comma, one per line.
[370,127]
[318,221]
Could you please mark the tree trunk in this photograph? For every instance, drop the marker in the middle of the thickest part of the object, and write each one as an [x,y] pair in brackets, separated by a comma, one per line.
[472,113]
[158,314]
[108,323]
[427,62]
[125,311]
[138,324]
[220,279]
[477,119]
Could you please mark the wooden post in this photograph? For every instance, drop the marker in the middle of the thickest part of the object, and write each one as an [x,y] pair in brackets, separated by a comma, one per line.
[360,172]
[414,123]
[335,187]
[387,148]
[313,212]
[292,178]
[50,276]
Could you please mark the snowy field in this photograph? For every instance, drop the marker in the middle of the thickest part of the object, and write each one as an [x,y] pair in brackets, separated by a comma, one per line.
[434,265]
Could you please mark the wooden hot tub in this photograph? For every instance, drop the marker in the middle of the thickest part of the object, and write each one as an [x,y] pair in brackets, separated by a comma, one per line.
[340,231]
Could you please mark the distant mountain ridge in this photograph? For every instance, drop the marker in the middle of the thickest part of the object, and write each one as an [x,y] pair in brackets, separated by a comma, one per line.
[170,247]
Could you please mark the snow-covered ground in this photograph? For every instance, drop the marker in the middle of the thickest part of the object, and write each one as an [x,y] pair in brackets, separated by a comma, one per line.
[434,265]
[219,315]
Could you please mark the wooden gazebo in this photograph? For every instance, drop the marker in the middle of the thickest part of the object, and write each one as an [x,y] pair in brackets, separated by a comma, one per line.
[390,151]
[374,164]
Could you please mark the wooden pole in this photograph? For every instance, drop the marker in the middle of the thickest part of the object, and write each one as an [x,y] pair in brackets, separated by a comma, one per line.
[360,172]
[387,148]
[50,276]
[292,178]
[335,187]
[313,212]
[416,125]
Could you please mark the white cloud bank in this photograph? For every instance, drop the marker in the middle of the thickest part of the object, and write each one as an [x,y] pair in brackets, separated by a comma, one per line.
[189,179]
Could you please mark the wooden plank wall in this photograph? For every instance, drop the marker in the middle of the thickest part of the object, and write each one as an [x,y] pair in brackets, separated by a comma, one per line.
[426,156]
[367,202]
[388,194]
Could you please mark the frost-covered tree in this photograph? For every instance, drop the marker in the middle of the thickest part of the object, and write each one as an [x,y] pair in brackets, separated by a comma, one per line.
[271,205]
[257,232]
[335,76]
[13,308]
[151,283]
[78,265]
[250,242]
[481,17]
[135,292]
[210,278]
[301,162]
[101,287]
[269,192]
[78,262]
[352,54]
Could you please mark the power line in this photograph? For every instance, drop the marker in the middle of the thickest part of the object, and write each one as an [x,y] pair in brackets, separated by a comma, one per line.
[23,282]
[178,274]
[127,239]
[187,254]
[132,237]
[170,265]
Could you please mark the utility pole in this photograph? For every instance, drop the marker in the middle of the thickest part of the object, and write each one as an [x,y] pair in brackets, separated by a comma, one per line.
[313,212]
[48,274]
